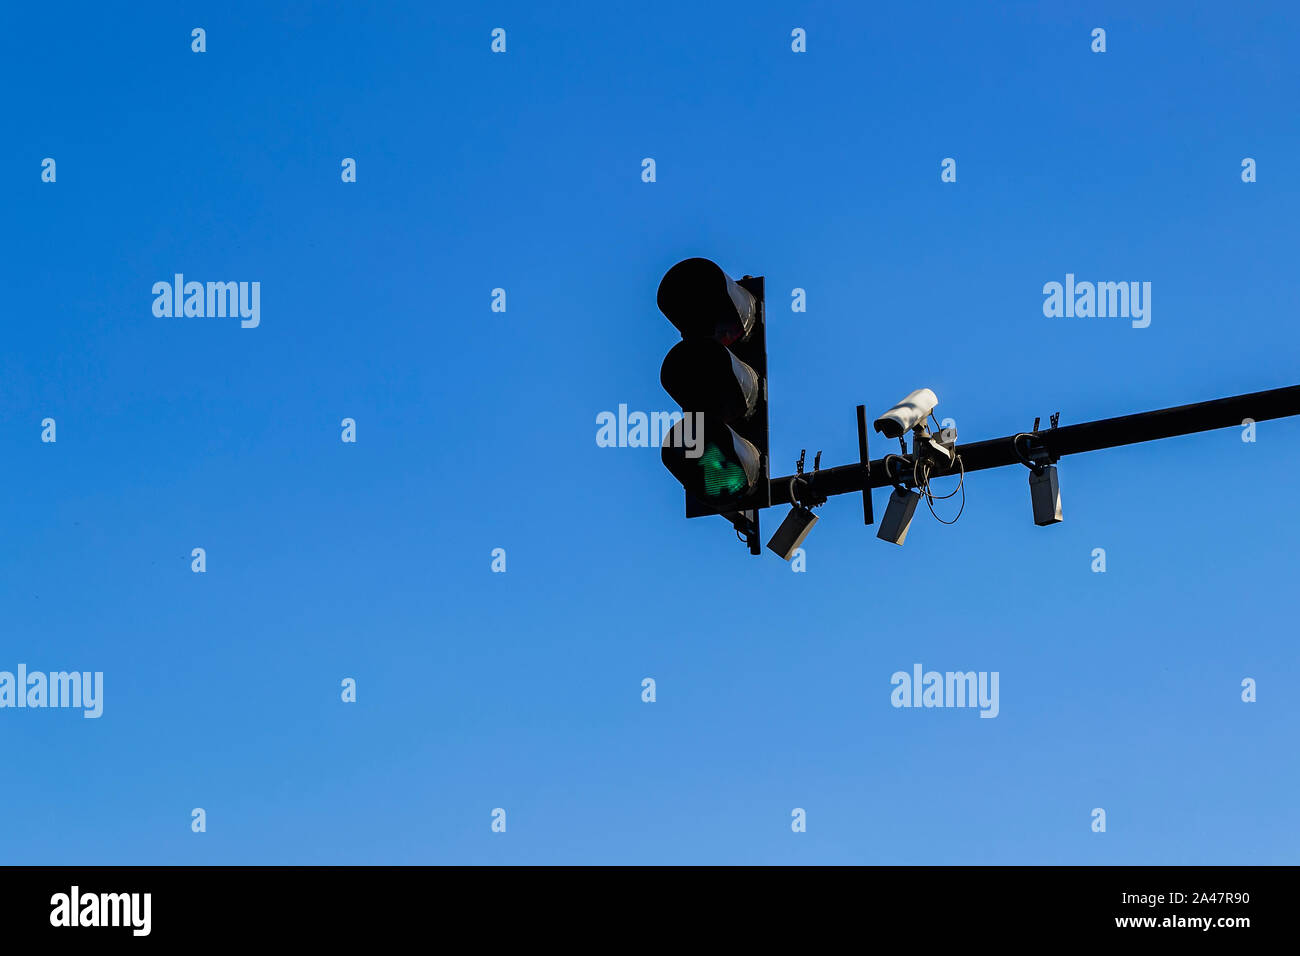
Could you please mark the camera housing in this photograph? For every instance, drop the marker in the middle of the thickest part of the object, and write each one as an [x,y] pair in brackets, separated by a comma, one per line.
[907,414]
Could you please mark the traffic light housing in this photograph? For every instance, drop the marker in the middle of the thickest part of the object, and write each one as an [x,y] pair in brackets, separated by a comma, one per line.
[717,373]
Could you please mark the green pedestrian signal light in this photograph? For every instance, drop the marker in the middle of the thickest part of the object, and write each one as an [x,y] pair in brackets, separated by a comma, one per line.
[722,478]
[718,468]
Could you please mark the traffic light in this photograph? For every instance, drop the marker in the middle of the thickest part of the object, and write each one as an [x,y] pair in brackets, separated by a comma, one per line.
[717,373]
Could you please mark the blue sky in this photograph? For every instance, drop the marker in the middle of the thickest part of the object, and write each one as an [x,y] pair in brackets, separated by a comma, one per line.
[476,430]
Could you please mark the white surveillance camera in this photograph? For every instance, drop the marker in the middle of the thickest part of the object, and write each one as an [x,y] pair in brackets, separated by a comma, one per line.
[907,414]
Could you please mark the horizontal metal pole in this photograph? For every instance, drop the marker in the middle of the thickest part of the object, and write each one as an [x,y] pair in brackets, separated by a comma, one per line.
[1069,440]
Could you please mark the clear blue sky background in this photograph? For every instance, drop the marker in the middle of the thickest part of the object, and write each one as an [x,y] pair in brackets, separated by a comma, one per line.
[476,430]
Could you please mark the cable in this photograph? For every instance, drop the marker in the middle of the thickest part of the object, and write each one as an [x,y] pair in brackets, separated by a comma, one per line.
[1025,459]
[961,486]
[898,485]
[794,499]
[921,481]
[961,481]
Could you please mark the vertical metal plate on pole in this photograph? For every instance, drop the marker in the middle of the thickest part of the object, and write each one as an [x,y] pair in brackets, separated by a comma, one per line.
[864,456]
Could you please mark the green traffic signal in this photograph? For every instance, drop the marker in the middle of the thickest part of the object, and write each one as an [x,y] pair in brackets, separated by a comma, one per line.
[713,463]
[722,478]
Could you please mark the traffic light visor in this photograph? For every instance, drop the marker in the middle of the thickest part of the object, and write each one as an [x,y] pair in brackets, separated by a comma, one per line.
[703,302]
[704,376]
